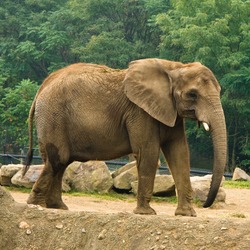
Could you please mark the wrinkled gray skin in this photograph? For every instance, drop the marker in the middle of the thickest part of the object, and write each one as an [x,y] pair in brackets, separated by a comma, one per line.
[91,112]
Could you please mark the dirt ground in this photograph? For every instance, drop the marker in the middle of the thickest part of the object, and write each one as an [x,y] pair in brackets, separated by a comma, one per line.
[95,223]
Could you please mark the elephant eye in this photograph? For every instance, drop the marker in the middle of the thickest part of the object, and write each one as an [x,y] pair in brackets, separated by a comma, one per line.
[192,95]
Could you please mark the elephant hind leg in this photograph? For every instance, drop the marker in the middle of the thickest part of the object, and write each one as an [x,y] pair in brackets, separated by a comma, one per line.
[47,191]
[40,188]
[58,159]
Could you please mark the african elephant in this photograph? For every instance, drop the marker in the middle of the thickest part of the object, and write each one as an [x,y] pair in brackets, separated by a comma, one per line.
[92,112]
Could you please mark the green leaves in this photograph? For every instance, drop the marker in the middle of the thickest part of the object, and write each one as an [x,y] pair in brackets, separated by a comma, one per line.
[39,37]
[14,110]
[216,33]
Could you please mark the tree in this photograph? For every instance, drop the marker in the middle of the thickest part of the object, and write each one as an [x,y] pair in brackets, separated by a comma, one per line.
[14,110]
[115,32]
[216,33]
[29,43]
[237,108]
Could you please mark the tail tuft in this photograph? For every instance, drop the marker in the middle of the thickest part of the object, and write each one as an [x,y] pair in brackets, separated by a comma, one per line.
[28,162]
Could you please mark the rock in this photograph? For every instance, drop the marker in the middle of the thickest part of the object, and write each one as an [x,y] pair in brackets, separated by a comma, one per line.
[124,179]
[124,176]
[23,225]
[8,171]
[65,186]
[163,185]
[91,176]
[69,174]
[5,198]
[30,177]
[240,175]
[102,234]
[123,169]
[201,186]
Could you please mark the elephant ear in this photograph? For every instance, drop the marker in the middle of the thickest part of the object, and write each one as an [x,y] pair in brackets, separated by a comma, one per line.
[149,86]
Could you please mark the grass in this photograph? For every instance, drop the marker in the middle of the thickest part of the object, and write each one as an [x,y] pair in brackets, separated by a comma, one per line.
[105,196]
[120,196]
[238,215]
[236,184]
[114,196]
[18,189]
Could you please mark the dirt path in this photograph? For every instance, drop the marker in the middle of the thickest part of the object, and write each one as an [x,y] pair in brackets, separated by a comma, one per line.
[237,204]
[96,223]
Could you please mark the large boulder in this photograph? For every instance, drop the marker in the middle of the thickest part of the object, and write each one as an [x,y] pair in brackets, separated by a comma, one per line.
[124,168]
[163,186]
[91,176]
[125,175]
[240,175]
[201,186]
[8,171]
[30,177]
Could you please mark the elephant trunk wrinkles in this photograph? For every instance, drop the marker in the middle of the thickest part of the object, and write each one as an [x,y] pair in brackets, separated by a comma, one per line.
[219,137]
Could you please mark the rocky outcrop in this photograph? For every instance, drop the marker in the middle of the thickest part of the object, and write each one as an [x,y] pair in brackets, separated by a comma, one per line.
[94,176]
[32,227]
[91,176]
[163,186]
[201,186]
[124,176]
[30,177]
[240,175]
[7,172]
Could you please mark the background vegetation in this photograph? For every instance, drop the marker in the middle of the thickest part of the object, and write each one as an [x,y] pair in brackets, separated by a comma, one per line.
[38,37]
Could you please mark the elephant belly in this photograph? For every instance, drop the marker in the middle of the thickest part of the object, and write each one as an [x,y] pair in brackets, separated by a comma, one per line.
[99,142]
[99,148]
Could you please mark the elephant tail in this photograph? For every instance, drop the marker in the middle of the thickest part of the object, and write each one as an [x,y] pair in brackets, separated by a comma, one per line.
[29,156]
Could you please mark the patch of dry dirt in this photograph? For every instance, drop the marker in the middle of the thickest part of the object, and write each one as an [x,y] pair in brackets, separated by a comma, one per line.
[93,223]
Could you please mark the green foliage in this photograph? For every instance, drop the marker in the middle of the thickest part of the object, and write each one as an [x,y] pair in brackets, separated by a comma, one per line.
[14,110]
[38,37]
[216,33]
[212,32]
[108,48]
[237,107]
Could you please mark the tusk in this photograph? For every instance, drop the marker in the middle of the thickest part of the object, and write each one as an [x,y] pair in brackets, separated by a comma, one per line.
[205,125]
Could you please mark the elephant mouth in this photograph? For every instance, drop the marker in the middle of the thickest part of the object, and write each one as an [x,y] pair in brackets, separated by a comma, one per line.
[189,113]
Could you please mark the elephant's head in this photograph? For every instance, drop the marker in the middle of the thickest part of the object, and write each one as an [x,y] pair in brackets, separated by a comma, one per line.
[166,89]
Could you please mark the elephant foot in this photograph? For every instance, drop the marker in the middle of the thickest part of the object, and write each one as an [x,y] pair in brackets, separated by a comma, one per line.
[57,205]
[144,210]
[187,211]
[40,199]
[36,199]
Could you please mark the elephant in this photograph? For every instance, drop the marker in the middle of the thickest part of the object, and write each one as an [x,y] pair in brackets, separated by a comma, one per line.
[92,112]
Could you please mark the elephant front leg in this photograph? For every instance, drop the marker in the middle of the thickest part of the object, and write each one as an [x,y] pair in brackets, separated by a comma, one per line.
[146,175]
[177,155]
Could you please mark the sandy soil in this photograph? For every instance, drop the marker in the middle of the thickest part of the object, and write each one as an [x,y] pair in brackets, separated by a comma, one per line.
[98,224]
[237,203]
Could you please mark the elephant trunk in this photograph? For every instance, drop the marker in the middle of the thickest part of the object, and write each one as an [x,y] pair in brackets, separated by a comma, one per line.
[219,137]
